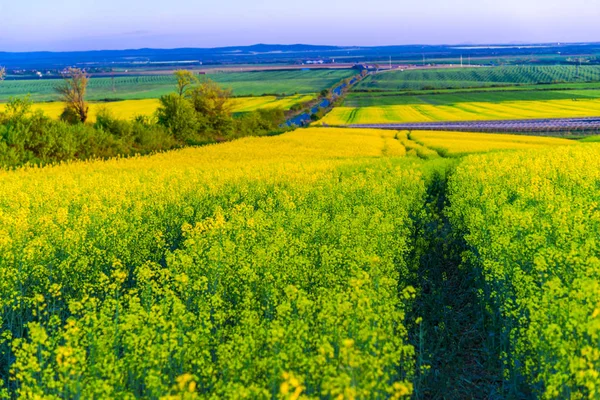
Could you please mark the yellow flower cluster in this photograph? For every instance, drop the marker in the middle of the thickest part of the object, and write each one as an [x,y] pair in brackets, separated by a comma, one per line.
[531,221]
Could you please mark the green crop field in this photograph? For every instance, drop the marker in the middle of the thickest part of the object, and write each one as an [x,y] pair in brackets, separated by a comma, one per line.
[478,77]
[591,139]
[519,88]
[154,86]
[361,99]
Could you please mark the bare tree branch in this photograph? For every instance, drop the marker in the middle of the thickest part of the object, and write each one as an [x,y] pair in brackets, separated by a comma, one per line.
[72,92]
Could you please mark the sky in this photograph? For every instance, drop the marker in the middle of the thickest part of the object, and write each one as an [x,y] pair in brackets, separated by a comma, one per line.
[66,25]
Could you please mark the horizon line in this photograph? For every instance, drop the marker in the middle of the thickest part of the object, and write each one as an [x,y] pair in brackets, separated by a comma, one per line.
[507,44]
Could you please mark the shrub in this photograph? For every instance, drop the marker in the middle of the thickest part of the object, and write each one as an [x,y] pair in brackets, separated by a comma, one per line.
[178,115]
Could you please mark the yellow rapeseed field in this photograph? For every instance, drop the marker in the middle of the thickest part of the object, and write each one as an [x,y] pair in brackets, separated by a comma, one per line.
[257,268]
[464,111]
[458,143]
[128,109]
[121,109]
[247,104]
[274,267]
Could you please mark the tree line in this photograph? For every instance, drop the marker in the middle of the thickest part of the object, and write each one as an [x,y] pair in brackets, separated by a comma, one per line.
[197,112]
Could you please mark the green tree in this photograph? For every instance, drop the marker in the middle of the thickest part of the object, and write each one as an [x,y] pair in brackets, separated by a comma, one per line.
[185,81]
[214,106]
[17,108]
[72,92]
[2,73]
[177,114]
[259,123]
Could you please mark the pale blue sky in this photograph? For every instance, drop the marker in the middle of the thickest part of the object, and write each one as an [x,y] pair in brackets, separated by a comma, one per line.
[117,24]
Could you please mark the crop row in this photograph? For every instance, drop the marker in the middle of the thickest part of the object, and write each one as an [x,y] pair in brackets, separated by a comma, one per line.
[531,223]
[479,77]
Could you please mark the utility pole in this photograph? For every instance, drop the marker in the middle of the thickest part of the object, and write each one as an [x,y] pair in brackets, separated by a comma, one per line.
[461,61]
[390,62]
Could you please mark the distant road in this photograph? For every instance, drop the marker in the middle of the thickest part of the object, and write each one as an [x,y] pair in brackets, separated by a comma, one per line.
[523,125]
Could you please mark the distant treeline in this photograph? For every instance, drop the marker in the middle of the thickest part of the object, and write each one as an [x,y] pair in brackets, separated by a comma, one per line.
[199,113]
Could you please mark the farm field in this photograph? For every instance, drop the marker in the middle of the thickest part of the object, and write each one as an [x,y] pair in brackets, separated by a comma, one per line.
[452,144]
[154,86]
[128,109]
[191,211]
[248,104]
[292,262]
[258,257]
[464,111]
[506,103]
[518,88]
[454,78]
[496,96]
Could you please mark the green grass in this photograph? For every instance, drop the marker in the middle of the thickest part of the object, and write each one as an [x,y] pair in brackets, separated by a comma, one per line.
[154,86]
[455,78]
[519,88]
[384,99]
[591,139]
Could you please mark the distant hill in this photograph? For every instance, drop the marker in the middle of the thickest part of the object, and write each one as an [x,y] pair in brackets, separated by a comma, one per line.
[252,54]
[274,53]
